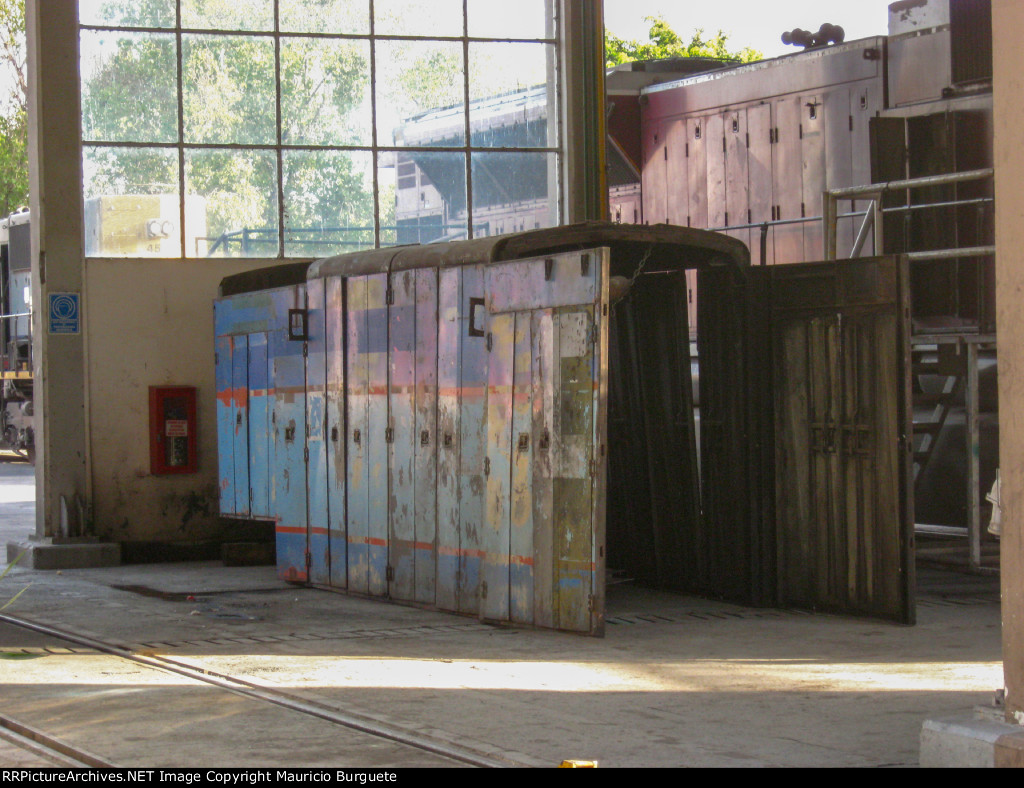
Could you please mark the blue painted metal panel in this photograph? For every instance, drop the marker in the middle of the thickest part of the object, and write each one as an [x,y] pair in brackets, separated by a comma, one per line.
[402,447]
[472,438]
[288,418]
[334,327]
[240,420]
[260,398]
[357,386]
[225,427]
[450,334]
[316,434]
[378,432]
[426,447]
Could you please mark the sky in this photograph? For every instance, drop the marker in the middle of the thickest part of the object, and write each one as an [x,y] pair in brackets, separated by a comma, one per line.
[755,23]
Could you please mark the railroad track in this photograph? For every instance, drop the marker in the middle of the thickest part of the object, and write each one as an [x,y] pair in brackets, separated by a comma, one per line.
[447,752]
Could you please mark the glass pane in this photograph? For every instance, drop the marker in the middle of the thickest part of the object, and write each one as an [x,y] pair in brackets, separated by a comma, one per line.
[129,91]
[126,13]
[513,192]
[420,93]
[351,17]
[422,197]
[510,95]
[229,92]
[427,18]
[232,203]
[328,202]
[227,14]
[131,202]
[522,19]
[325,92]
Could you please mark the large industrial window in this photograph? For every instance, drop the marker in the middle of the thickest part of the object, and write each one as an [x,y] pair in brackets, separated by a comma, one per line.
[304,128]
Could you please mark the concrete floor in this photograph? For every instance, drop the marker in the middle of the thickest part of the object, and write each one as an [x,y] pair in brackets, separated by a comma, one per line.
[701,684]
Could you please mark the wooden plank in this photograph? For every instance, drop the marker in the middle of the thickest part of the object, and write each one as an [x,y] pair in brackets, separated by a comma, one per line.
[357,399]
[543,377]
[452,327]
[737,200]
[377,431]
[402,446]
[316,437]
[426,435]
[524,449]
[337,431]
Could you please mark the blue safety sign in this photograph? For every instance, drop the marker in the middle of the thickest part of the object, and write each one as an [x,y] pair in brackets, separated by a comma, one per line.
[65,313]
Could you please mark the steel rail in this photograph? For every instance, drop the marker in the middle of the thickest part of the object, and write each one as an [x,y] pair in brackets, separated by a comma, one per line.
[45,746]
[239,686]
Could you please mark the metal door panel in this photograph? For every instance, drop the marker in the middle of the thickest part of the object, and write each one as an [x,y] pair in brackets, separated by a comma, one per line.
[737,203]
[521,536]
[240,420]
[357,376]
[260,398]
[450,332]
[812,139]
[653,175]
[787,183]
[677,174]
[225,425]
[759,178]
[335,426]
[572,488]
[402,448]
[697,174]
[839,161]
[377,432]
[288,419]
[714,150]
[426,430]
[544,329]
[316,436]
[495,536]
[472,437]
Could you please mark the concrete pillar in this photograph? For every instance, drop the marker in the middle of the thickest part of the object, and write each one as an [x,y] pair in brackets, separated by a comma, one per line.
[55,185]
[1008,32]
[585,189]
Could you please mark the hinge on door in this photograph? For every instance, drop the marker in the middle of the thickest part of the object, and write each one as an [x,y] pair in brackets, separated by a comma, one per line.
[851,122]
[389,295]
[487,466]
[309,561]
[305,350]
[389,435]
[666,153]
[748,139]
[390,574]
[724,147]
[590,603]
[305,454]
[801,131]
[687,150]
[726,218]
[490,341]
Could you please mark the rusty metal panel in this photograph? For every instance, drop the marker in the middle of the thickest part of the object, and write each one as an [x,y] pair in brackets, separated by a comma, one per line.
[334,329]
[845,517]
[812,139]
[402,444]
[787,184]
[379,431]
[316,438]
[521,536]
[357,385]
[260,398]
[450,333]
[572,484]
[426,432]
[474,320]
[714,150]
[677,172]
[288,419]
[225,424]
[653,175]
[759,178]
[737,202]
[240,419]
[495,538]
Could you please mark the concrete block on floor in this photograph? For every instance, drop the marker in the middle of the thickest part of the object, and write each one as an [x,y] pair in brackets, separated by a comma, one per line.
[45,555]
[970,740]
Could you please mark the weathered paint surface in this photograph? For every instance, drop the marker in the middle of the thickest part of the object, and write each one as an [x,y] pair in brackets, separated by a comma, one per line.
[450,418]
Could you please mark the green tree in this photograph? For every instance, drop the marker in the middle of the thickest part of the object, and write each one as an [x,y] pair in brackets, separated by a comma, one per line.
[664,42]
[13,108]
